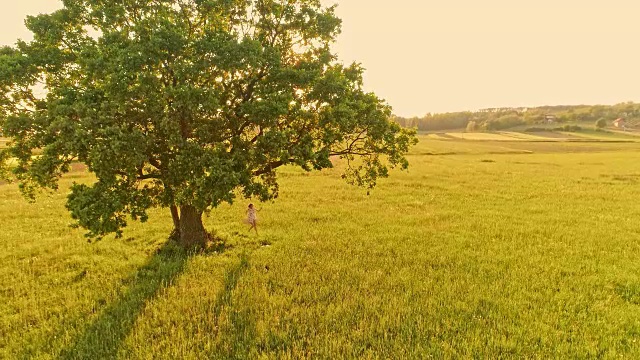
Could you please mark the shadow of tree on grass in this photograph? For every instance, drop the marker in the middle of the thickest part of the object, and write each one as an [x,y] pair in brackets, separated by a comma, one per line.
[239,333]
[104,336]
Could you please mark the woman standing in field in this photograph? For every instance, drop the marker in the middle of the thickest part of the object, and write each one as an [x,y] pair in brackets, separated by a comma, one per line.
[252,218]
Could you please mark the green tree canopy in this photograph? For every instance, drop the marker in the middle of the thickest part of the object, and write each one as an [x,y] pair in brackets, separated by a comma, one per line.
[186,103]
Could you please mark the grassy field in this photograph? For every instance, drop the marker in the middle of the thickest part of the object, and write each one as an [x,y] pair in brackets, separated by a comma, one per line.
[482,250]
[546,136]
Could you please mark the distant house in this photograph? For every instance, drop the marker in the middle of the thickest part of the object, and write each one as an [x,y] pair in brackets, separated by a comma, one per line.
[620,123]
[550,118]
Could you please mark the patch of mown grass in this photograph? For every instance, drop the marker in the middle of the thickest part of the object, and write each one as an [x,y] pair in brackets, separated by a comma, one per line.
[466,255]
[606,136]
[480,136]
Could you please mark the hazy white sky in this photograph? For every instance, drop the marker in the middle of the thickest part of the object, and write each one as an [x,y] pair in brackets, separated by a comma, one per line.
[448,55]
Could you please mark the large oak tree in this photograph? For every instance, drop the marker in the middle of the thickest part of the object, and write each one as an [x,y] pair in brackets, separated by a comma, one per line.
[186,104]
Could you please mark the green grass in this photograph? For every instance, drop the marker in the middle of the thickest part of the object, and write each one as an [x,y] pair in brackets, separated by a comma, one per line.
[586,135]
[632,132]
[526,136]
[605,135]
[512,250]
[491,136]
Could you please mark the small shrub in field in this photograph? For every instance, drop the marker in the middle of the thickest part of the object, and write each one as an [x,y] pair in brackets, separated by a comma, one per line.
[601,123]
[568,128]
[536,129]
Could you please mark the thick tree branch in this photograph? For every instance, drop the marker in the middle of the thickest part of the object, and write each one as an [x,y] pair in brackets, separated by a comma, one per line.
[255,138]
[155,163]
[271,166]
[140,177]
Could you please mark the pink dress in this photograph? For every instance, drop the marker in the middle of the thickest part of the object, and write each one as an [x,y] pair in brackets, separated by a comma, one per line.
[252,216]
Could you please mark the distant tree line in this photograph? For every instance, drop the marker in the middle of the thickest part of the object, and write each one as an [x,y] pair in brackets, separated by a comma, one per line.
[504,118]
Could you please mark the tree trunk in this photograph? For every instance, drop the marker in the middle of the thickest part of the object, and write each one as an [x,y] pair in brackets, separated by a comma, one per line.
[176,218]
[192,232]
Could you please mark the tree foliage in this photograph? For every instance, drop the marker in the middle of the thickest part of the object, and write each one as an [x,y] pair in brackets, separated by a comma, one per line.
[503,122]
[185,104]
